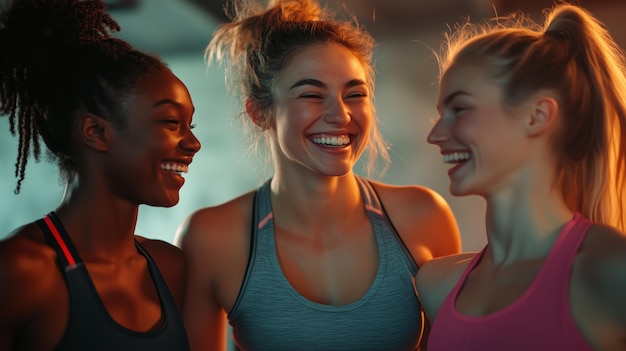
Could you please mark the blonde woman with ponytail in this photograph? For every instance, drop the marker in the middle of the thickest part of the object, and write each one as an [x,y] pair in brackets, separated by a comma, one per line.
[533,119]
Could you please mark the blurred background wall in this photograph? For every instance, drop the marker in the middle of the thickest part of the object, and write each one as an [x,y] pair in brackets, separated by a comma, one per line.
[406,31]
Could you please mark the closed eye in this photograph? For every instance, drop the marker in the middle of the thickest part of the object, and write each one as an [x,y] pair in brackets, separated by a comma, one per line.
[171,124]
[459,110]
[311,96]
[359,94]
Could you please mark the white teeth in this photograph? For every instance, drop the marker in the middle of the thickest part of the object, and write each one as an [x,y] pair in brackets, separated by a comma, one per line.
[456,157]
[341,140]
[175,167]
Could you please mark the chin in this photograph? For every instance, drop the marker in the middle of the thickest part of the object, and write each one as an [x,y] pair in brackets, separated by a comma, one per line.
[458,190]
[167,202]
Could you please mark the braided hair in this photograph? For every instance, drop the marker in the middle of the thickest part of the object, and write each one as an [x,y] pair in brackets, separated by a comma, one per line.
[58,59]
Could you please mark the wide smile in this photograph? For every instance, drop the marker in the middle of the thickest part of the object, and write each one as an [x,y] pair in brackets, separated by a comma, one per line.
[334,141]
[457,157]
[175,167]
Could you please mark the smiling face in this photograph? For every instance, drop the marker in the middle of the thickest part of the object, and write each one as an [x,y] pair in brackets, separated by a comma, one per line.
[482,138]
[322,111]
[149,154]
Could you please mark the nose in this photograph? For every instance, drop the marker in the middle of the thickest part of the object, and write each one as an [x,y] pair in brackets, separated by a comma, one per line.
[439,133]
[190,142]
[338,112]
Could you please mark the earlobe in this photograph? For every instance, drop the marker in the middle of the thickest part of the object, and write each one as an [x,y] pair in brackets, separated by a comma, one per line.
[256,115]
[94,131]
[543,116]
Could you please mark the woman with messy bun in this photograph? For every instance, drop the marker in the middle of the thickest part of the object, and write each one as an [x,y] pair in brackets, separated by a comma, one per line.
[533,119]
[311,260]
[118,124]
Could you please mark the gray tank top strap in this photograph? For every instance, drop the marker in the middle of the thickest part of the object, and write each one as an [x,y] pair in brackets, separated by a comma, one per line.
[262,205]
[375,208]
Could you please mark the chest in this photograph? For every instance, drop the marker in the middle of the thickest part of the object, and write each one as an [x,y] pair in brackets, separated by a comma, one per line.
[487,291]
[90,296]
[334,272]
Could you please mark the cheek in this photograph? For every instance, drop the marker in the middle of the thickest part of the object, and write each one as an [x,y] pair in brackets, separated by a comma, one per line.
[463,129]
[363,116]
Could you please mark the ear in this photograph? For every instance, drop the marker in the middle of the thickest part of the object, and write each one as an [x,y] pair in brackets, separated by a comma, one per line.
[94,131]
[256,115]
[543,117]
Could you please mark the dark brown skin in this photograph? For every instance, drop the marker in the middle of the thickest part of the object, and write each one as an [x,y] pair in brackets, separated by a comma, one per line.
[120,169]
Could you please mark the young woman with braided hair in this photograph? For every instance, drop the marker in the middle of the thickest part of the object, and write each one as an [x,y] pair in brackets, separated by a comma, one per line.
[533,119]
[118,124]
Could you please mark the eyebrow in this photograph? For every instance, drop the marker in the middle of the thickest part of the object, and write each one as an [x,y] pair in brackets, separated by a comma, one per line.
[451,97]
[171,102]
[320,84]
[166,101]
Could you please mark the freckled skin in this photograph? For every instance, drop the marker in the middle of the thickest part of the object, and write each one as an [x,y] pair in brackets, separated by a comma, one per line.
[320,92]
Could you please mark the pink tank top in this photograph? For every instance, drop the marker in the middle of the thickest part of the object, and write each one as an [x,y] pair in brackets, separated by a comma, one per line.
[540,319]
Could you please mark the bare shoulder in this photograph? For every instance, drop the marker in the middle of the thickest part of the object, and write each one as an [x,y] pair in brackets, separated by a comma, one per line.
[598,287]
[601,264]
[216,243]
[603,253]
[211,224]
[213,234]
[160,250]
[423,219]
[29,274]
[446,269]
[436,278]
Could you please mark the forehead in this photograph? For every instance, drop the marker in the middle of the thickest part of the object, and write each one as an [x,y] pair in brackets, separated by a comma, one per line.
[473,79]
[158,86]
[330,60]
[157,80]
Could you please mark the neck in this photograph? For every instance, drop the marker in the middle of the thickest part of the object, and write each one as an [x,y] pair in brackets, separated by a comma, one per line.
[321,204]
[98,224]
[524,222]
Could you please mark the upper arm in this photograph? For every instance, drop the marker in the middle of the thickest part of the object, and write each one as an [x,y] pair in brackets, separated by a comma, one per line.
[204,317]
[599,285]
[24,289]
[438,223]
[423,219]
[436,278]
[425,283]
[9,315]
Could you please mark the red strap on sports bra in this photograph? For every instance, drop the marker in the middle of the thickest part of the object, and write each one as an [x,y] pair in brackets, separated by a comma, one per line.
[57,237]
